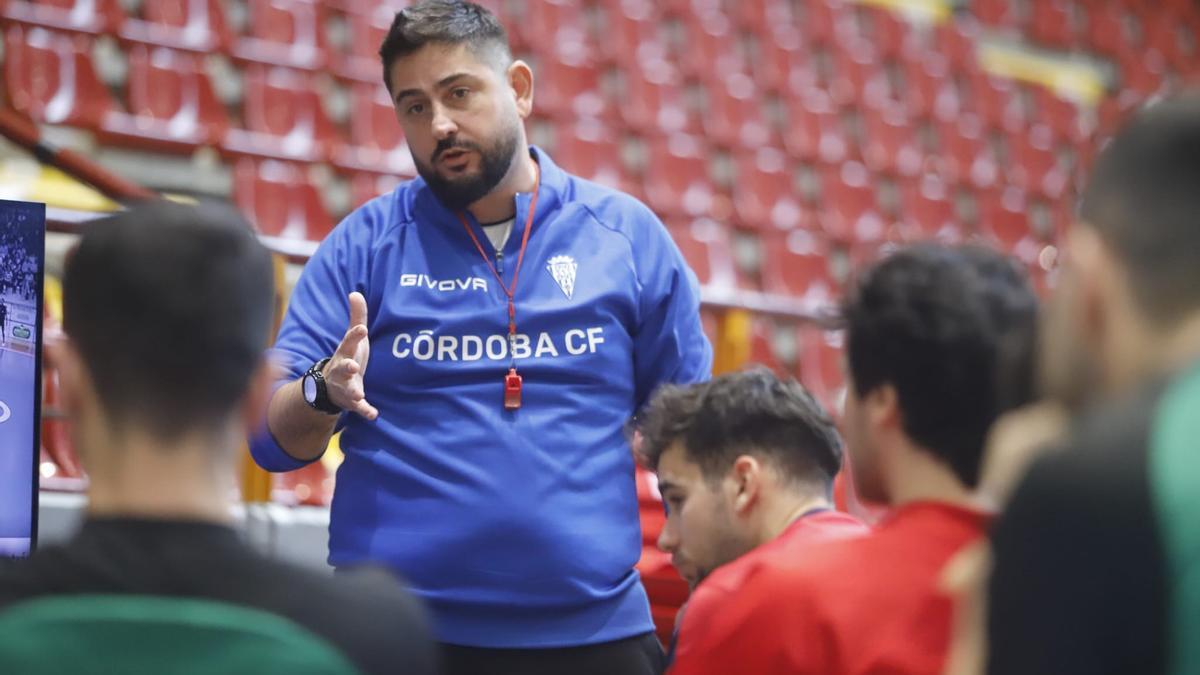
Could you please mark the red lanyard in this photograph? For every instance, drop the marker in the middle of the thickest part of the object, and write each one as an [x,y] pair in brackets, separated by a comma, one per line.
[512,381]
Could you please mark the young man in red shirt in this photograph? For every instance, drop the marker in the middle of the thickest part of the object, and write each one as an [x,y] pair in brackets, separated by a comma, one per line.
[745,464]
[934,334]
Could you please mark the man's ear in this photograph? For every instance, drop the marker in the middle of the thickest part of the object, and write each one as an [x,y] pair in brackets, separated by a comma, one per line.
[744,483]
[881,406]
[74,378]
[1099,277]
[520,78]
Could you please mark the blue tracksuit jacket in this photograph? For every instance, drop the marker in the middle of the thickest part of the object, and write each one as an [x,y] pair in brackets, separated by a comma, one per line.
[519,529]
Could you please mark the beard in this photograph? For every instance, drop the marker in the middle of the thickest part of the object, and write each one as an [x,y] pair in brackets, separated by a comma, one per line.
[494,162]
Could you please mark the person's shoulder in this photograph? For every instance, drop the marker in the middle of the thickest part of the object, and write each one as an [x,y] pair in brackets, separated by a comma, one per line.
[380,215]
[367,614]
[369,593]
[612,208]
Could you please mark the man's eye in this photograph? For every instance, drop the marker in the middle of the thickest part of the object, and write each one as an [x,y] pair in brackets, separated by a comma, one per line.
[416,109]
[460,92]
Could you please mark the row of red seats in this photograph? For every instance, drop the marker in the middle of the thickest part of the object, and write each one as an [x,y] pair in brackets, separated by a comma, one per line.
[801,264]
[1106,27]
[49,66]
[171,105]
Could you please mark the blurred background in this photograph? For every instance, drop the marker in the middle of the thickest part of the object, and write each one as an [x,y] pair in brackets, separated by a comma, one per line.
[785,143]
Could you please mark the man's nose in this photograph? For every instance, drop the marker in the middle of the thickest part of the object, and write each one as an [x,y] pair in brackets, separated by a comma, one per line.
[668,542]
[443,125]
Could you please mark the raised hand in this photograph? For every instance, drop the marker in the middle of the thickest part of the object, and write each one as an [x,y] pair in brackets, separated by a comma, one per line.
[346,368]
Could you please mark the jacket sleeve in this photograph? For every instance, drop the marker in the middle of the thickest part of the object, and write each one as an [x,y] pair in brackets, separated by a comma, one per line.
[670,346]
[317,318]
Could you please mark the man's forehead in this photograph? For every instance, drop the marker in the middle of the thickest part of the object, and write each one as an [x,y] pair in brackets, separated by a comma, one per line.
[676,468]
[433,63]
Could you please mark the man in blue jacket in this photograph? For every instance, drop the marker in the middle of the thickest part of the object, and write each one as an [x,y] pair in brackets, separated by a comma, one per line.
[518,317]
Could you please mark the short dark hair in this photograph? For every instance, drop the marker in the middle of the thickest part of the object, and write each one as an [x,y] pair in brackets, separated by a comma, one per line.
[444,22]
[171,308]
[942,324]
[748,412]
[1144,199]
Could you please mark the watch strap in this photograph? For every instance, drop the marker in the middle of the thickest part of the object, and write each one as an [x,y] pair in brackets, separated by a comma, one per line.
[321,401]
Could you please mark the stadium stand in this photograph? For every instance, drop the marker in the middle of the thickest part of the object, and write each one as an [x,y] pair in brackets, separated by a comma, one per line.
[813,133]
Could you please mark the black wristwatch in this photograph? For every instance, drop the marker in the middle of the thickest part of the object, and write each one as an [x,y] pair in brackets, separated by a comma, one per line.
[315,393]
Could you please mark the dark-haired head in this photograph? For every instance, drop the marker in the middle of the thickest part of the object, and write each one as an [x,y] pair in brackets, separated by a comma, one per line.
[733,455]
[167,310]
[933,337]
[1128,294]
[459,96]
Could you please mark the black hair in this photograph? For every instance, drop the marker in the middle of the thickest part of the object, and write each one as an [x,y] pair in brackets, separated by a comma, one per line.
[444,22]
[748,412]
[171,308]
[1143,198]
[944,325]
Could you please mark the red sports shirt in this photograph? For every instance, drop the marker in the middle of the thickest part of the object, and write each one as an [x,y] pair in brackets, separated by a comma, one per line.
[863,605]
[703,626]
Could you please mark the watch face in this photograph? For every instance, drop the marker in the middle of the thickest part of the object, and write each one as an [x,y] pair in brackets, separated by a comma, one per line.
[310,389]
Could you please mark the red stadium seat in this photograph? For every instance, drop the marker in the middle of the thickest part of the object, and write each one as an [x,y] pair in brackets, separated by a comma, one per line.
[854,68]
[280,200]
[891,145]
[763,349]
[958,41]
[650,101]
[764,195]
[193,25]
[848,204]
[49,77]
[774,60]
[819,366]
[285,33]
[884,29]
[1064,117]
[706,247]
[1005,222]
[796,264]
[813,129]
[709,47]
[750,16]
[1053,23]
[1163,35]
[283,118]
[567,89]
[628,33]
[733,114]
[924,81]
[1142,75]
[929,211]
[93,17]
[1034,164]
[171,101]
[676,176]
[964,156]
[998,13]
[376,139]
[548,26]
[818,18]
[589,150]
[366,186]
[366,32]
[1105,28]
[997,101]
